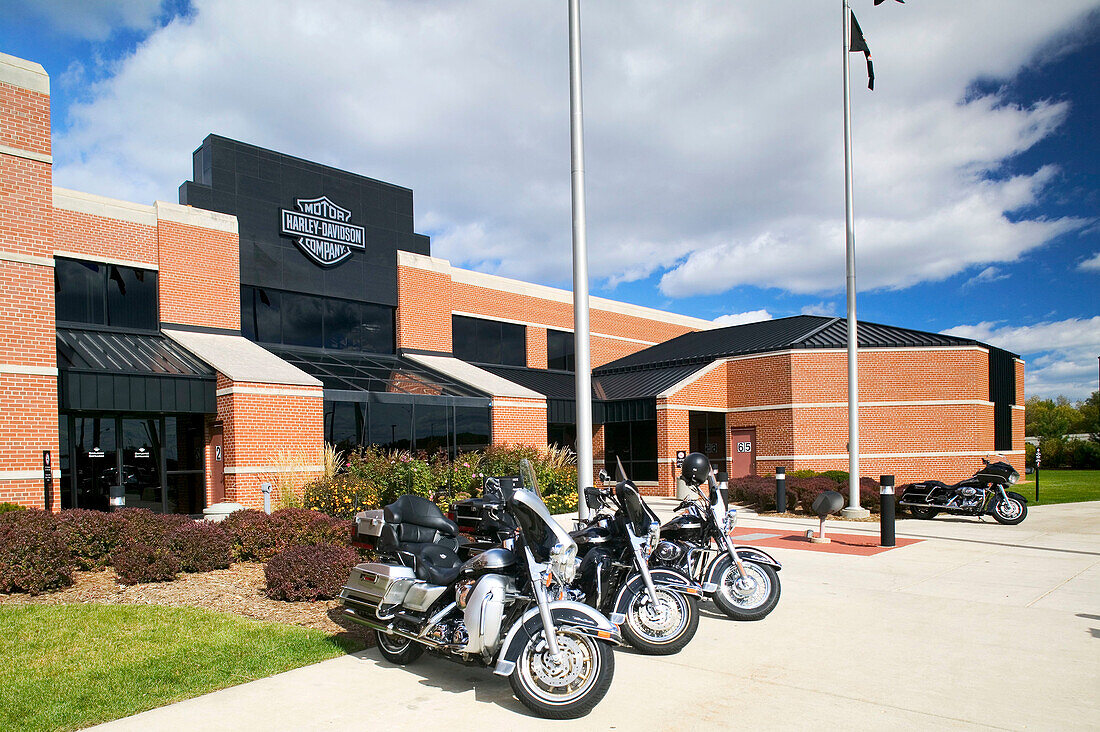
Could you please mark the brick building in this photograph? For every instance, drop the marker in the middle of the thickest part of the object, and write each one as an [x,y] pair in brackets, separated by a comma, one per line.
[176,355]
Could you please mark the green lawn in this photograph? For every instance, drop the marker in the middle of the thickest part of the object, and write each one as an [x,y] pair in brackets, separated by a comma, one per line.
[1061,486]
[71,666]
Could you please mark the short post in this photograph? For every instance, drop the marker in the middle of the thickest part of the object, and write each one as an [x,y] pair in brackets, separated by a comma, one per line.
[1038,461]
[724,487]
[265,488]
[781,490]
[886,511]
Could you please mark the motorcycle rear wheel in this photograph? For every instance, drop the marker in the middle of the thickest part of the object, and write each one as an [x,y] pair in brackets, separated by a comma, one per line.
[923,513]
[664,631]
[569,687]
[397,650]
[1010,511]
[754,605]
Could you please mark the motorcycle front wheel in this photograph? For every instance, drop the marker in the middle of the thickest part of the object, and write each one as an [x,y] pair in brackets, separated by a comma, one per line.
[397,650]
[751,599]
[570,685]
[922,513]
[664,629]
[1010,511]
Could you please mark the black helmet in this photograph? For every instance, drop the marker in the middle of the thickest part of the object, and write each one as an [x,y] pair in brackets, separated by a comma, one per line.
[696,468]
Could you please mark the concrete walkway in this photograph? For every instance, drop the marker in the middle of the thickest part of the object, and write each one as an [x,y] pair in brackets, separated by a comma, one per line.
[979,626]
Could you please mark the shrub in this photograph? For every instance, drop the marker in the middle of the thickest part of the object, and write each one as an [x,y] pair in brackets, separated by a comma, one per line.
[302,527]
[309,572]
[251,534]
[200,546]
[137,563]
[808,489]
[33,556]
[564,501]
[142,526]
[90,535]
[837,476]
[6,507]
[758,490]
[868,493]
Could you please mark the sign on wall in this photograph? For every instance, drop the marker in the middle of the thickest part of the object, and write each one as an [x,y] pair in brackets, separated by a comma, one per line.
[322,230]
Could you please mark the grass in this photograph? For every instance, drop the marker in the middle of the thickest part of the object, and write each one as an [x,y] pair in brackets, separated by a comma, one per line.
[1061,486]
[71,666]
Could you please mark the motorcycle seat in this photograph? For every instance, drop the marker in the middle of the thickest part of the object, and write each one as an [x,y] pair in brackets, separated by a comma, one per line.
[416,526]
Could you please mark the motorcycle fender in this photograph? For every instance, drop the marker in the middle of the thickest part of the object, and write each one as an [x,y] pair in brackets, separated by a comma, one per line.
[670,578]
[1017,496]
[994,499]
[745,554]
[565,614]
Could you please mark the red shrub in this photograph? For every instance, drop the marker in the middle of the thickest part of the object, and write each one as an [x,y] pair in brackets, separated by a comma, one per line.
[868,493]
[142,526]
[33,557]
[758,490]
[252,535]
[200,546]
[309,572]
[808,489]
[137,563]
[90,535]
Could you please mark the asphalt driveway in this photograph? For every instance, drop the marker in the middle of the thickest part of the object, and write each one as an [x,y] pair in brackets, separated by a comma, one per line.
[978,626]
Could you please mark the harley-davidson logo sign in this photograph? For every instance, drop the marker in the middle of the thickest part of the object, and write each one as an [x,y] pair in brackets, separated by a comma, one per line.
[322,230]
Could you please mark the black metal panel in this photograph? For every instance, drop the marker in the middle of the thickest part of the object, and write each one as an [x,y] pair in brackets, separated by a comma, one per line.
[134,353]
[132,393]
[253,184]
[631,410]
[639,384]
[1002,392]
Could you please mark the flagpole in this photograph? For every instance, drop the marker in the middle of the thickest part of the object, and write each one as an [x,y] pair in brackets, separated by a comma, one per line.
[582,350]
[853,509]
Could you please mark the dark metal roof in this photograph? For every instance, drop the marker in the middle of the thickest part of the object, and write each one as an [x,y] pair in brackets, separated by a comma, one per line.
[128,353]
[800,331]
[130,372]
[559,385]
[349,372]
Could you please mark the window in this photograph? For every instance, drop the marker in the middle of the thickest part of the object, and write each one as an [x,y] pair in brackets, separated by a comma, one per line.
[488,341]
[560,350]
[635,443]
[707,434]
[96,293]
[428,426]
[562,435]
[294,319]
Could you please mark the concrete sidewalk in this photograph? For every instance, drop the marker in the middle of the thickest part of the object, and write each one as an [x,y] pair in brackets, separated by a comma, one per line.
[980,626]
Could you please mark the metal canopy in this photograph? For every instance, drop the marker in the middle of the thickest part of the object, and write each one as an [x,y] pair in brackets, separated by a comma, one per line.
[130,372]
[348,376]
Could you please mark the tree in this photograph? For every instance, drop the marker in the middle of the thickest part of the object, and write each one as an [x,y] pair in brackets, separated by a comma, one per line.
[1049,417]
[1088,420]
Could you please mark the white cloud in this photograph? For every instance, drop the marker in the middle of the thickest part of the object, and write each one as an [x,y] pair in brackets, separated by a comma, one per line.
[1091,264]
[987,275]
[92,19]
[750,316]
[713,129]
[1061,356]
[822,308]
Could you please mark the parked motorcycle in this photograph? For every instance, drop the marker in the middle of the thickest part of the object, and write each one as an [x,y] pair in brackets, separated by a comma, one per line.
[983,494]
[504,608]
[660,606]
[743,581]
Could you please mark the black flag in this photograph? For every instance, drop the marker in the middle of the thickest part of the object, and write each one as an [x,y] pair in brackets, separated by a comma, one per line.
[859,43]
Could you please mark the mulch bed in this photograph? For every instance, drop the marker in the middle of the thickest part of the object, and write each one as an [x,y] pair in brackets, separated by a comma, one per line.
[238,590]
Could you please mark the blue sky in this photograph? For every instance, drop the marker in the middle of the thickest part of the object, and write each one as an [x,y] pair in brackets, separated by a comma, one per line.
[713,143]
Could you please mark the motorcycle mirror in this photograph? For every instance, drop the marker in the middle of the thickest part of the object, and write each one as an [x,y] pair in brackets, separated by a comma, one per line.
[604,476]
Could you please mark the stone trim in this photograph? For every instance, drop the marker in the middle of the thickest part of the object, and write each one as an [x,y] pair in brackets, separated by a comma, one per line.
[109,208]
[12,368]
[191,216]
[24,74]
[26,259]
[19,152]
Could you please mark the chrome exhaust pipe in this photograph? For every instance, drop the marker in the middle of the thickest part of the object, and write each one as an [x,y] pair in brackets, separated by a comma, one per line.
[389,629]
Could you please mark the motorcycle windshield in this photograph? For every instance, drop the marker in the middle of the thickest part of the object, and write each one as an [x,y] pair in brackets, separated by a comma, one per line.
[638,513]
[539,529]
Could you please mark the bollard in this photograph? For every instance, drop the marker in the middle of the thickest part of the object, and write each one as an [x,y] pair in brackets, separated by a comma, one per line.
[266,489]
[886,511]
[781,490]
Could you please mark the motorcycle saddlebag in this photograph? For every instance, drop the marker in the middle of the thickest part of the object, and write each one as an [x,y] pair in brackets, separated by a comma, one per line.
[368,527]
[374,583]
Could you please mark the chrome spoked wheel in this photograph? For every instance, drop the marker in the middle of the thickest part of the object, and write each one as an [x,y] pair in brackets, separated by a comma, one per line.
[1010,511]
[746,598]
[396,649]
[663,628]
[565,686]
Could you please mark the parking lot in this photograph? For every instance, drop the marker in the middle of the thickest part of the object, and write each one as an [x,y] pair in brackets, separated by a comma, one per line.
[978,626]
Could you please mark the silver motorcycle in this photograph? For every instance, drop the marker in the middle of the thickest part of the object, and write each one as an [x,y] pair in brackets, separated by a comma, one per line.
[504,608]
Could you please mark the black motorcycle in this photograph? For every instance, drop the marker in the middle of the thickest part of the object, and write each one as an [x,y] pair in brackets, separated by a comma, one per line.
[743,581]
[984,494]
[659,607]
[505,608]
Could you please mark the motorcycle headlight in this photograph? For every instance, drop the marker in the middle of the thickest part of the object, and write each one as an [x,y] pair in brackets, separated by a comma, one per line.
[1013,477]
[563,562]
[731,519]
[652,538]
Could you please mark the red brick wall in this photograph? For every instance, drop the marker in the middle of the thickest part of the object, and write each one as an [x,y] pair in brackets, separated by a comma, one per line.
[423,309]
[207,295]
[25,123]
[536,348]
[99,236]
[519,421]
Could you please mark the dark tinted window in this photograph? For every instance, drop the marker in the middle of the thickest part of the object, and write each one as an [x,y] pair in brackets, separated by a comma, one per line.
[560,350]
[431,427]
[562,435]
[293,319]
[471,428]
[105,294]
[183,442]
[635,443]
[344,424]
[391,426]
[488,341]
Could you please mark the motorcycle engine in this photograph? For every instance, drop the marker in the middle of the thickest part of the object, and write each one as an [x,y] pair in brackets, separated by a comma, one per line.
[452,632]
[970,495]
[668,552]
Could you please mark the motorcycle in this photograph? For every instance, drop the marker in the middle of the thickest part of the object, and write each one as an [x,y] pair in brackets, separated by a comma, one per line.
[983,494]
[659,606]
[743,581]
[504,608]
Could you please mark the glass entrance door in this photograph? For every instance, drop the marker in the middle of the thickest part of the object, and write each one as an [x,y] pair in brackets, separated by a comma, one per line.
[141,463]
[95,447]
